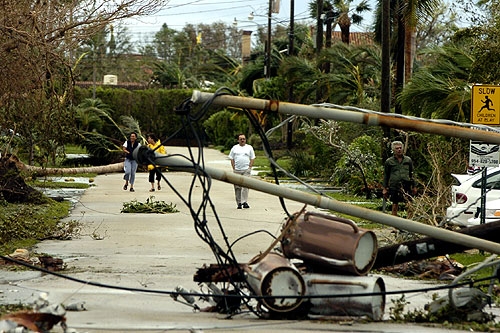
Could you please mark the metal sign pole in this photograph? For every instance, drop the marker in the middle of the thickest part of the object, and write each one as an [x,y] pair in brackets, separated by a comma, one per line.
[483,197]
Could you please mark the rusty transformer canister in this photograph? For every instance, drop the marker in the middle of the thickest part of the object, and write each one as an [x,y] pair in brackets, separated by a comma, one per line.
[331,241]
[274,275]
[346,295]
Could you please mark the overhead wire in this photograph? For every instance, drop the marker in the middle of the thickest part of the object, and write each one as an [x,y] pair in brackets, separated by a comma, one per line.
[190,120]
[254,296]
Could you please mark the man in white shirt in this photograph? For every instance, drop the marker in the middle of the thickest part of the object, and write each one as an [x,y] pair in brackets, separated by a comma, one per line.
[242,157]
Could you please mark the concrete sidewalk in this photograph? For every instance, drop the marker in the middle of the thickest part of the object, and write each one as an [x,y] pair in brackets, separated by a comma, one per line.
[160,252]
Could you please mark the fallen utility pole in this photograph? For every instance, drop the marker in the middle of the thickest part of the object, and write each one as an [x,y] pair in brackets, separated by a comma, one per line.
[428,247]
[145,155]
[370,119]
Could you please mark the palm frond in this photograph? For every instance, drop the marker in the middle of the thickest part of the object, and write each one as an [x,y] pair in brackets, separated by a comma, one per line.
[132,125]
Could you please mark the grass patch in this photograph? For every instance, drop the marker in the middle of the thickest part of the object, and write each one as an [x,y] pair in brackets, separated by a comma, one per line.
[9,308]
[51,184]
[23,225]
[361,201]
[470,258]
[74,149]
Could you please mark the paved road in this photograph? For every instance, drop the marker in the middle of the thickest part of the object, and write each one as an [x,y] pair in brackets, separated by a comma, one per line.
[161,252]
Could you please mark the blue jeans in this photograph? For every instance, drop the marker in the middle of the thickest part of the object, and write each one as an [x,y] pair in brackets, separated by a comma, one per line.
[130,167]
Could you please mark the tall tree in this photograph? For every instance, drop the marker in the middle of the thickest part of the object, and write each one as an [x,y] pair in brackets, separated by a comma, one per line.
[164,43]
[37,46]
[341,12]
[405,14]
[441,89]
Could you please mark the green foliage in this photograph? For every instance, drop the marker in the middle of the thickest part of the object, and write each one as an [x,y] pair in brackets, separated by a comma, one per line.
[73,149]
[361,164]
[150,206]
[325,156]
[102,148]
[442,88]
[302,163]
[30,222]
[452,318]
[153,109]
[223,127]
[10,308]
[269,89]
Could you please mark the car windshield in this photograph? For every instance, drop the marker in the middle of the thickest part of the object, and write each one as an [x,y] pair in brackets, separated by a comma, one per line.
[492,181]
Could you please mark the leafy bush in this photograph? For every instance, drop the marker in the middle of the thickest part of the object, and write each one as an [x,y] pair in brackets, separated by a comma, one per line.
[302,163]
[223,126]
[361,166]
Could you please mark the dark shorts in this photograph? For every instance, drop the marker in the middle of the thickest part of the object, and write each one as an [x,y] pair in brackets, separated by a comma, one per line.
[402,194]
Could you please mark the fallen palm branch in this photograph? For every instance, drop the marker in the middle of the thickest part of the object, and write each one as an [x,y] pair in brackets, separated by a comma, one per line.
[150,206]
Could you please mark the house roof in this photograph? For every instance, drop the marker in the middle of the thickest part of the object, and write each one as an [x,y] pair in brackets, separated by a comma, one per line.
[355,38]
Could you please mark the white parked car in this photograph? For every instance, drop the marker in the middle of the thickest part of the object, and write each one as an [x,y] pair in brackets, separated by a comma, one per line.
[492,214]
[466,196]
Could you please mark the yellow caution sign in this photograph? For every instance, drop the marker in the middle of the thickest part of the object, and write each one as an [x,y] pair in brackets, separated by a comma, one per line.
[485,105]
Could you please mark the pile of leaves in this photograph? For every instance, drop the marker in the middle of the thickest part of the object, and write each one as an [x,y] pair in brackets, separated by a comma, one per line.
[150,206]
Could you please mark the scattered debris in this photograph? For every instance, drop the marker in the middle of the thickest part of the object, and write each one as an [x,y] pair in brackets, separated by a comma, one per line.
[19,255]
[441,268]
[22,255]
[42,318]
[52,264]
[150,206]
[77,306]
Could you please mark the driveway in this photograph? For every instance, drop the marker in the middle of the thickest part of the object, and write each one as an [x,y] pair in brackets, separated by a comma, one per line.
[159,252]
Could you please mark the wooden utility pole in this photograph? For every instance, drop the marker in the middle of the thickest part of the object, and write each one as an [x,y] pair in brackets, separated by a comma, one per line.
[268,44]
[319,26]
[385,98]
[291,37]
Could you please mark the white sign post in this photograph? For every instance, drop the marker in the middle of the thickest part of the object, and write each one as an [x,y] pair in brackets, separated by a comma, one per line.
[483,155]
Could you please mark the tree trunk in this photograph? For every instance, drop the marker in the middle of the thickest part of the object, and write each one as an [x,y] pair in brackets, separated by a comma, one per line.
[14,189]
[385,97]
[410,40]
[400,63]
[345,28]
[110,168]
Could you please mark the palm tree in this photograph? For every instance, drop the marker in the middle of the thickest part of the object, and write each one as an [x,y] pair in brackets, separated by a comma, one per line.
[167,75]
[441,90]
[412,11]
[405,15]
[340,12]
[89,114]
[355,75]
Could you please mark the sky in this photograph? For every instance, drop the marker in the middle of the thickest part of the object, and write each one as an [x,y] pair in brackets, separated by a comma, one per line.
[180,12]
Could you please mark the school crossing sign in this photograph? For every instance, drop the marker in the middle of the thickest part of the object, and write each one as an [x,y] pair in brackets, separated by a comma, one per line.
[485,108]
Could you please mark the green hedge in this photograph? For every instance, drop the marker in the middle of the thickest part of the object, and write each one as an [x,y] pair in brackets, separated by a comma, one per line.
[154,109]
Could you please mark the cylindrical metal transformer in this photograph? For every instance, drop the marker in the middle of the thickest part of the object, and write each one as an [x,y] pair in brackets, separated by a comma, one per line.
[322,284]
[274,275]
[330,241]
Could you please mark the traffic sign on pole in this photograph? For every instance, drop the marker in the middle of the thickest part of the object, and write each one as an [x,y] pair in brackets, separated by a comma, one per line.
[485,105]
